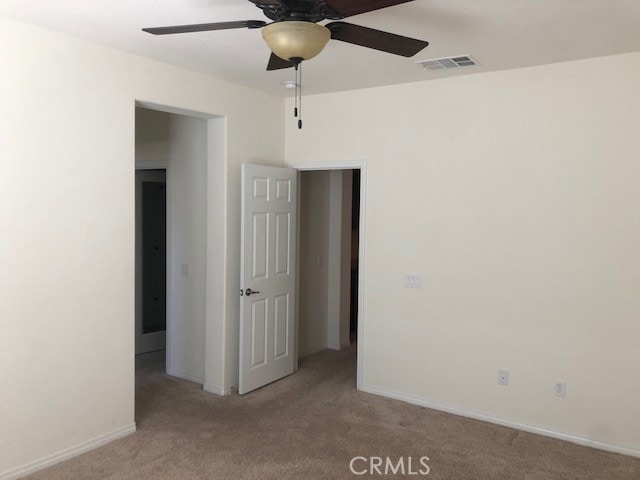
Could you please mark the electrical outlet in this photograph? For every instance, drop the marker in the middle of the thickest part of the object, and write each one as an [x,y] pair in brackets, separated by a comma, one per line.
[560,389]
[413,280]
[503,377]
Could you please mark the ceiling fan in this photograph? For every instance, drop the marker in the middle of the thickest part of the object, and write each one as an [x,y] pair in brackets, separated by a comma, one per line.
[295,35]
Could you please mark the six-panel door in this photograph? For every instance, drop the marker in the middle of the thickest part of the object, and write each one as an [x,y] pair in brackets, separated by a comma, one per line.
[267,322]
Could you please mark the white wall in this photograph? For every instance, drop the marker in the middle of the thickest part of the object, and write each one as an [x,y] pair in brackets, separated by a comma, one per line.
[188,204]
[516,195]
[314,243]
[339,260]
[67,244]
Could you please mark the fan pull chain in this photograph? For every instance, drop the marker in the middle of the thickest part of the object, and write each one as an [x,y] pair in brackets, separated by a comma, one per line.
[299,83]
[297,110]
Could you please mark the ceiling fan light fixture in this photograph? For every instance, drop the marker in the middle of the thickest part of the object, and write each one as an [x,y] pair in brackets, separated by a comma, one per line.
[295,39]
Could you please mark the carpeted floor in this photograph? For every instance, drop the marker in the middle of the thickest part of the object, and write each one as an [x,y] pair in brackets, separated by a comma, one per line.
[309,426]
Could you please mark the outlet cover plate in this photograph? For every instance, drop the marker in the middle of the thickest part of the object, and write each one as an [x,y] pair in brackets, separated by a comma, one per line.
[560,389]
[413,280]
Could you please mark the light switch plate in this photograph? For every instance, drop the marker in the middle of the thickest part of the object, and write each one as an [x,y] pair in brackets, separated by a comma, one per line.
[185,270]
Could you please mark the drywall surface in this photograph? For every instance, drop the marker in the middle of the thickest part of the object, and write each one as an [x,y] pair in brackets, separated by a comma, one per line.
[67,153]
[515,194]
[339,259]
[188,205]
[314,262]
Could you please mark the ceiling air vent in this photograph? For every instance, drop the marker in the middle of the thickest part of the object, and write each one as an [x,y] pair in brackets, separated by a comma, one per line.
[448,62]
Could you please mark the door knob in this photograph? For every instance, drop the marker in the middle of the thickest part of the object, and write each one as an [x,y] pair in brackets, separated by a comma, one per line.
[250,292]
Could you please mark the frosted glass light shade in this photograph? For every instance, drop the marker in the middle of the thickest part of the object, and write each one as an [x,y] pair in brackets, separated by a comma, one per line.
[294,39]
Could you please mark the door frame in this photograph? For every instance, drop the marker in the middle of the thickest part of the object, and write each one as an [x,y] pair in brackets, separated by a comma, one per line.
[342,165]
[164,165]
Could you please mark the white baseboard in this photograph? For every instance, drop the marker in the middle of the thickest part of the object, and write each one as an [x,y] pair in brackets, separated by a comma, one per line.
[186,376]
[222,391]
[56,458]
[499,421]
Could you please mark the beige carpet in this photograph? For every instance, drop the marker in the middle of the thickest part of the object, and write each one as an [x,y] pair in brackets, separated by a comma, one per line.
[309,426]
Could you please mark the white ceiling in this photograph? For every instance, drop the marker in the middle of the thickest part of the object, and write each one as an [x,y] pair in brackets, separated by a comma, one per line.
[500,34]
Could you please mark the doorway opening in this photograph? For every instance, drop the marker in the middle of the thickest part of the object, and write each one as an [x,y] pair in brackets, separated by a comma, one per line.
[172,158]
[355,254]
[330,269]
[151,260]
[190,146]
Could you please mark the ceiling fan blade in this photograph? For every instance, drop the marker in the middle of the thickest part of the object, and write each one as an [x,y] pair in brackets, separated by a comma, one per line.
[270,3]
[205,27]
[276,63]
[376,39]
[347,8]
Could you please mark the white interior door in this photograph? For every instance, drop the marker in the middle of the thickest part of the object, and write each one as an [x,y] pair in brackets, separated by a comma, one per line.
[267,275]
